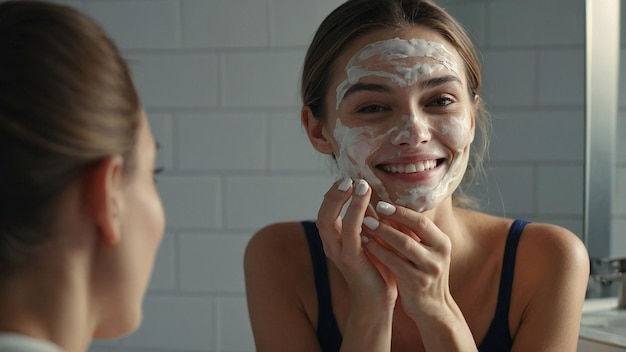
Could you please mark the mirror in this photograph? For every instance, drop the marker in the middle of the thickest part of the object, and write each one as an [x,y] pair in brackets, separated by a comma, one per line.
[605,162]
[605,150]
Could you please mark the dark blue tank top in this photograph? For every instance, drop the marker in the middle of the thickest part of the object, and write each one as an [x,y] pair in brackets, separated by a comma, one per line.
[498,336]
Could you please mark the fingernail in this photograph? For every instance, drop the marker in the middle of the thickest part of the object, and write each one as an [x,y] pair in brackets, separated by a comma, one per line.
[345,184]
[370,222]
[385,208]
[361,187]
[364,239]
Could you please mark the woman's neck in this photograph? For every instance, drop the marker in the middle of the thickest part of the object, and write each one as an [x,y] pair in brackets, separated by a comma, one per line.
[48,300]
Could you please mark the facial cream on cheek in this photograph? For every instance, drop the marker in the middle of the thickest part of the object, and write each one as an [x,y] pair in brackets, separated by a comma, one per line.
[457,128]
[356,146]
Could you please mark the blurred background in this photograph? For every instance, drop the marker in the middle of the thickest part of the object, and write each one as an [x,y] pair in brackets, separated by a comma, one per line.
[220,80]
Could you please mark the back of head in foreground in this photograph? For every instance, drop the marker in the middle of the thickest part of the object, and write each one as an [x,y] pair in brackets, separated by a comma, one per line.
[77,167]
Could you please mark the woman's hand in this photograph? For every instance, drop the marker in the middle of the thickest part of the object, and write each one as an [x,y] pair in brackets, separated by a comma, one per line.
[372,286]
[417,252]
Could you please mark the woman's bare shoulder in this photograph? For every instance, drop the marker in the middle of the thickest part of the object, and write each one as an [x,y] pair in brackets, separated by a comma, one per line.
[549,244]
[278,237]
[276,246]
[542,243]
[551,259]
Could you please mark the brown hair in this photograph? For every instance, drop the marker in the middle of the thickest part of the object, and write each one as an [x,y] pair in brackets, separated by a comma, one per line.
[66,101]
[356,18]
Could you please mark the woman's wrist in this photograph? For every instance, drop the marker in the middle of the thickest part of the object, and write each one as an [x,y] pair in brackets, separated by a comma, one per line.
[445,328]
[446,312]
[368,330]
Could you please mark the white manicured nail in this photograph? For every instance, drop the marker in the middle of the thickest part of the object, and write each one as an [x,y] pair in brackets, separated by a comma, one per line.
[385,208]
[371,223]
[345,184]
[364,239]
[361,187]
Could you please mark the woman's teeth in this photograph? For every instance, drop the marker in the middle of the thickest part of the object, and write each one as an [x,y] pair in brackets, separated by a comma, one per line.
[410,168]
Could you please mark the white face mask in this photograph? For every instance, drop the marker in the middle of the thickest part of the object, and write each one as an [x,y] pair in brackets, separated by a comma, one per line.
[402,63]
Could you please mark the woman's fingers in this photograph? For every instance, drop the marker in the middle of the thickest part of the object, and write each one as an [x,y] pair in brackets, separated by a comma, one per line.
[390,259]
[398,247]
[342,236]
[328,217]
[353,218]
[413,223]
[407,237]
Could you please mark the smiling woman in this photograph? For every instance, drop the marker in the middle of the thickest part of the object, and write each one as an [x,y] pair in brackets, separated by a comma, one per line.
[396,259]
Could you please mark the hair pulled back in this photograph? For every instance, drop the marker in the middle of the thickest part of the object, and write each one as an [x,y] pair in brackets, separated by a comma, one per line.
[66,101]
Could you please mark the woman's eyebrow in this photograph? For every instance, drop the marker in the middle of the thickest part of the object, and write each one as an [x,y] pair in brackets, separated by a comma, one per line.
[370,87]
[437,81]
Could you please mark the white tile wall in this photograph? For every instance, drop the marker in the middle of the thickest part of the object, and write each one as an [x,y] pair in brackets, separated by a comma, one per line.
[261,79]
[509,78]
[557,66]
[538,136]
[138,24]
[191,202]
[176,323]
[536,23]
[225,24]
[176,79]
[232,334]
[511,190]
[222,141]
[254,201]
[289,30]
[554,191]
[206,256]
[285,129]
[220,81]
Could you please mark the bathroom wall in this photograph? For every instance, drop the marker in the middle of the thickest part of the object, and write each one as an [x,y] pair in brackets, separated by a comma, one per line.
[219,79]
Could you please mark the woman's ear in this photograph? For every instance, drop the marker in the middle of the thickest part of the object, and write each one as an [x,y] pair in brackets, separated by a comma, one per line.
[476,108]
[104,191]
[317,133]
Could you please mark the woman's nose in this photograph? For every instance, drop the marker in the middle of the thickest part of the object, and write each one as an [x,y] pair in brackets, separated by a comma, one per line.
[412,131]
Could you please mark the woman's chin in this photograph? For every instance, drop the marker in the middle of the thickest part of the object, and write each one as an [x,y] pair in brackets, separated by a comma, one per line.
[117,329]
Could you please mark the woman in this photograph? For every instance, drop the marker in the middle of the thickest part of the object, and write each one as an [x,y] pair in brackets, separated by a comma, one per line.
[391,90]
[80,217]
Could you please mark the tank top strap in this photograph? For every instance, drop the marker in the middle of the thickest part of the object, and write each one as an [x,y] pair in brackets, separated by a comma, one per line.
[508,268]
[498,337]
[328,333]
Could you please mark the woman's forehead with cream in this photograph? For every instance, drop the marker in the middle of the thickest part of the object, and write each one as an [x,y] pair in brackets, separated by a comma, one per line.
[403,61]
[402,50]
[403,56]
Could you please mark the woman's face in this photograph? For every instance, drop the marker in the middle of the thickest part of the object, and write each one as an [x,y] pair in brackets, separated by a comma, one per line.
[400,116]
[142,222]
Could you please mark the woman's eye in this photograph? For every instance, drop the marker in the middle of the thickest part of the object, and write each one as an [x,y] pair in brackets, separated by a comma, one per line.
[157,171]
[441,102]
[370,109]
